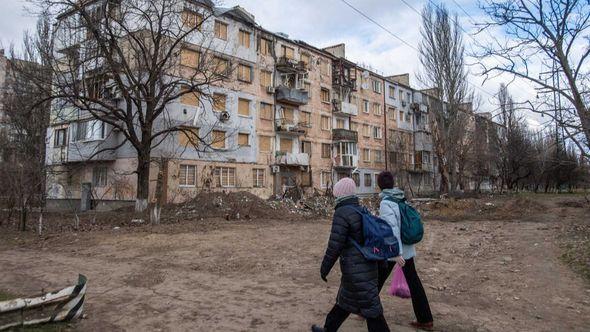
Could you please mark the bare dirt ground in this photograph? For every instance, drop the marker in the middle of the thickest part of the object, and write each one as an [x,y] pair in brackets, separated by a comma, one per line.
[485,268]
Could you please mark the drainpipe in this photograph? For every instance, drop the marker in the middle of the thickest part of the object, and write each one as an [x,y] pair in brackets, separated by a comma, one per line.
[386,154]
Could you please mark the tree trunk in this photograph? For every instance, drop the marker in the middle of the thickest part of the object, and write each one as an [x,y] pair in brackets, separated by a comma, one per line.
[143,181]
[23,216]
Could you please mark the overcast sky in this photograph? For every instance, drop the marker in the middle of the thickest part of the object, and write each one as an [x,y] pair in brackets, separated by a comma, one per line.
[328,22]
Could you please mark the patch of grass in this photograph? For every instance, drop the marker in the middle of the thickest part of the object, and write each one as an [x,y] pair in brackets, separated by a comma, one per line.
[576,250]
[5,296]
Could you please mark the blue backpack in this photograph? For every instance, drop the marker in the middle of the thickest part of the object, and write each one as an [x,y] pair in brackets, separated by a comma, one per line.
[411,230]
[380,243]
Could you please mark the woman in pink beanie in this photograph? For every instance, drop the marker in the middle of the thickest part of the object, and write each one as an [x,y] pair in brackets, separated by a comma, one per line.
[359,288]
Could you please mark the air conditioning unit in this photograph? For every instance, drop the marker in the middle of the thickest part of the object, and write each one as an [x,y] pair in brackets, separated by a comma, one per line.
[275,169]
[270,89]
[224,116]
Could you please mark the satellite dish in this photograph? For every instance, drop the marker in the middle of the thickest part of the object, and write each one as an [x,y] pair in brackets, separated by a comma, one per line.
[366,74]
[365,86]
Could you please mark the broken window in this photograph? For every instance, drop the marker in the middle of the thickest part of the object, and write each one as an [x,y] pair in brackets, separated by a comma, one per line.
[59,137]
[368,180]
[326,179]
[357,179]
[265,46]
[187,176]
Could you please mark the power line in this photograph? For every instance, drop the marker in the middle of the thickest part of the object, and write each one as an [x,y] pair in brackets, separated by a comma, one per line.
[401,39]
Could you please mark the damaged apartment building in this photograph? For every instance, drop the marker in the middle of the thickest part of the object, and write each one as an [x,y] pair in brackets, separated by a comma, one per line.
[289,115]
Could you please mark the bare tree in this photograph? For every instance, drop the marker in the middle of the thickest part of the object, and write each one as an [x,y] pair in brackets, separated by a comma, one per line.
[125,62]
[25,107]
[443,68]
[546,44]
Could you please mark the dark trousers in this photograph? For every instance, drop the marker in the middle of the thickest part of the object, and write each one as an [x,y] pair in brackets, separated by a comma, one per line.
[337,316]
[419,299]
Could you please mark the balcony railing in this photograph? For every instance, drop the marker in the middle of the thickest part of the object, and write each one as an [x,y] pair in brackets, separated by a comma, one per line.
[288,65]
[289,126]
[292,159]
[345,161]
[344,135]
[291,96]
[342,107]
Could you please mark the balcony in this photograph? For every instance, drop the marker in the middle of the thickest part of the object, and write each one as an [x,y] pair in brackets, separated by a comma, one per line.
[424,167]
[289,126]
[345,162]
[57,155]
[288,65]
[341,107]
[291,96]
[344,135]
[292,159]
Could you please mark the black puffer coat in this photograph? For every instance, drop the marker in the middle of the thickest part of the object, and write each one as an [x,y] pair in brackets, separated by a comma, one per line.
[359,292]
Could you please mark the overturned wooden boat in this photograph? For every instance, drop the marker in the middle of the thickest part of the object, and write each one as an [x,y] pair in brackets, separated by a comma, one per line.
[59,306]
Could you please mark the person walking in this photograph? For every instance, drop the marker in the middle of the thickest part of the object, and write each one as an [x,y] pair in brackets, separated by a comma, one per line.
[359,284]
[389,211]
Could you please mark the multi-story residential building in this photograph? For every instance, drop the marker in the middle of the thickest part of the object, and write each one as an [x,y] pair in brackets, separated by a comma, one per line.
[288,114]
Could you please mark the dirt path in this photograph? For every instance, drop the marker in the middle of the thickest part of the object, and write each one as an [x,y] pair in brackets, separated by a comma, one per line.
[479,276]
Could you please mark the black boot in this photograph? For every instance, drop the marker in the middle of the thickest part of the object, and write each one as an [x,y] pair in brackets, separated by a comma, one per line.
[315,328]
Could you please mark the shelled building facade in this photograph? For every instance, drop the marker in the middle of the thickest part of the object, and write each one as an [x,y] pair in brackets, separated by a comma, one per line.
[288,115]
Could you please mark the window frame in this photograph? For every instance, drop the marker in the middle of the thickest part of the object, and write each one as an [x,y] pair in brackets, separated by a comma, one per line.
[186,172]
[256,173]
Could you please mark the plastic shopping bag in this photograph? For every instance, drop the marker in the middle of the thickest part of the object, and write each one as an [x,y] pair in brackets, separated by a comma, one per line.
[399,286]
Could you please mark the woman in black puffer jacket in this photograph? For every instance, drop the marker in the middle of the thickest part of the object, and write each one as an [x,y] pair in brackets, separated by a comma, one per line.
[359,289]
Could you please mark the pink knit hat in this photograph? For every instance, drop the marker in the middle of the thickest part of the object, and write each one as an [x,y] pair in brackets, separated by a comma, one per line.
[344,187]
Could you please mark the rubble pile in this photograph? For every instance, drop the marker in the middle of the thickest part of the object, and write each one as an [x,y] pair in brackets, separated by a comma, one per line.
[313,206]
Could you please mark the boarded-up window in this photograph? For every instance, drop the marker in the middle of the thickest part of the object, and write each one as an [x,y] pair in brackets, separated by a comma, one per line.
[305,59]
[354,126]
[189,98]
[391,113]
[220,66]
[286,145]
[326,150]
[326,125]
[287,52]
[243,107]
[265,46]
[325,95]
[324,67]
[189,58]
[187,176]
[220,30]
[245,38]
[306,179]
[226,176]
[219,102]
[366,155]
[366,130]
[258,178]
[191,20]
[218,139]
[243,139]
[264,143]
[340,123]
[357,179]
[326,179]
[265,111]
[188,137]
[245,73]
[265,78]
[288,114]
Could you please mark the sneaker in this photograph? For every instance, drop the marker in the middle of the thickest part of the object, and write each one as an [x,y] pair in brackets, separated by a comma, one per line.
[315,328]
[423,326]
